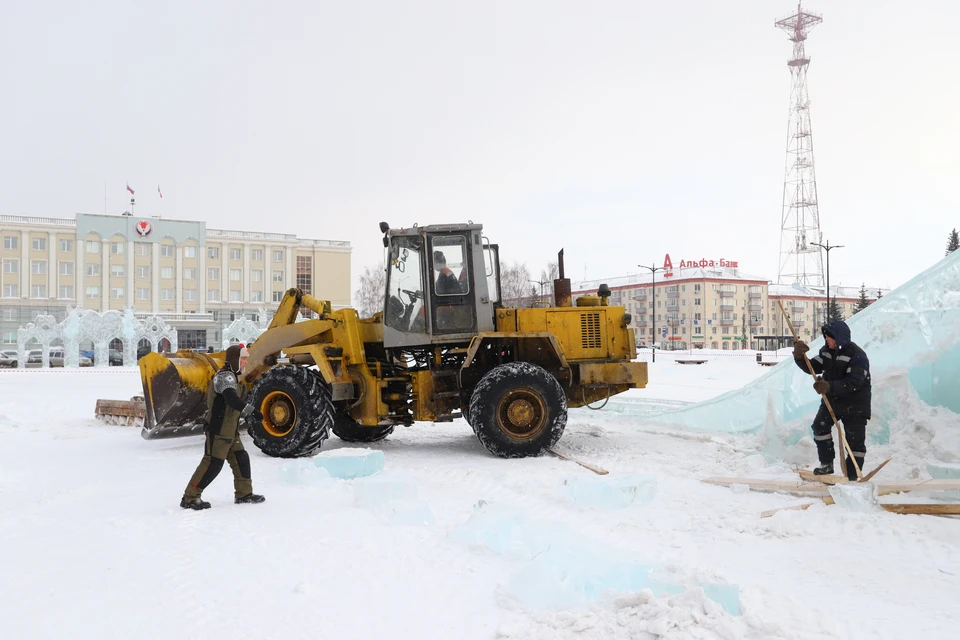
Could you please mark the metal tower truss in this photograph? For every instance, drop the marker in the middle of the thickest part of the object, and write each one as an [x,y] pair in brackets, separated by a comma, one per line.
[800,261]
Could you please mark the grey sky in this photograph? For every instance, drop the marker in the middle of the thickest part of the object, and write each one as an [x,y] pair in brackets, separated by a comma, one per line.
[618,130]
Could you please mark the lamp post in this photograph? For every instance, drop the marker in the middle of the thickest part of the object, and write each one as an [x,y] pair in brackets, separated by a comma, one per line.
[541,283]
[653,313]
[827,247]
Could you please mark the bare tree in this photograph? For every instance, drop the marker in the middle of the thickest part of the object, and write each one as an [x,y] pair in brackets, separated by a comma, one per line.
[371,293]
[548,275]
[515,282]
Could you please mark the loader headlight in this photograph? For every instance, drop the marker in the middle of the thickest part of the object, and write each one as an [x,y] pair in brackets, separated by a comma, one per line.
[627,319]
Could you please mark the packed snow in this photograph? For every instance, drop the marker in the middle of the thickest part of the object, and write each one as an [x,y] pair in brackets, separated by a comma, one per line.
[93,543]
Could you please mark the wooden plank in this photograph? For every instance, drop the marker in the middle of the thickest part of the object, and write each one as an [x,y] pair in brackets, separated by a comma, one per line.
[597,470]
[818,488]
[870,475]
[810,476]
[924,509]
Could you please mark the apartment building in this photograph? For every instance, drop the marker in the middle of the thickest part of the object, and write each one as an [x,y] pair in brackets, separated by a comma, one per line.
[716,306]
[198,279]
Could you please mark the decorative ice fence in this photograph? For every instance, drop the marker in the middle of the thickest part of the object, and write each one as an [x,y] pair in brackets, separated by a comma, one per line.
[100,328]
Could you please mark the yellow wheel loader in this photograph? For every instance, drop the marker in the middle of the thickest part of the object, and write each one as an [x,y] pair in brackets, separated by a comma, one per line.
[444,347]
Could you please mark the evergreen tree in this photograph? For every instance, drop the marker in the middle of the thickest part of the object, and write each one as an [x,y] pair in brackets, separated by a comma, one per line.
[834,312]
[862,303]
[953,242]
[879,294]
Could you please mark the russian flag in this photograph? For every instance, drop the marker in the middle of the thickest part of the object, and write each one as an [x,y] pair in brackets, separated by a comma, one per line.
[129,189]
[158,191]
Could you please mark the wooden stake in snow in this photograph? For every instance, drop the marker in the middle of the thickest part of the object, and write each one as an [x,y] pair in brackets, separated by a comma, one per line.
[826,402]
[597,470]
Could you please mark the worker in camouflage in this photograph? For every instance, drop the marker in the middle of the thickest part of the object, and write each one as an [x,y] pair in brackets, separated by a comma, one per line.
[225,407]
[843,371]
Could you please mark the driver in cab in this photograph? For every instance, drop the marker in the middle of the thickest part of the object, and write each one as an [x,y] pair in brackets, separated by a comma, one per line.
[447,283]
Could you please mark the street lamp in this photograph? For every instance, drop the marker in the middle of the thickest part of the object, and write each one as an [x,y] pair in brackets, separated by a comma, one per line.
[827,247]
[541,283]
[653,313]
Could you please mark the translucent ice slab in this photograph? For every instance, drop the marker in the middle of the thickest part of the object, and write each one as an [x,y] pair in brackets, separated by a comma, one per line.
[610,492]
[912,333]
[347,464]
[856,496]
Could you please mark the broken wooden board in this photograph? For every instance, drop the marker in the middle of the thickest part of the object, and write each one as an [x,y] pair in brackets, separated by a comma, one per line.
[870,475]
[801,487]
[810,476]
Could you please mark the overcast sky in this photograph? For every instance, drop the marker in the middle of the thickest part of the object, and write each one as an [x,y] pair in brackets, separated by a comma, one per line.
[618,130]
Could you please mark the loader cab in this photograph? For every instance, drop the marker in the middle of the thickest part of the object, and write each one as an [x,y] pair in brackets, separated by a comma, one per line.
[442,285]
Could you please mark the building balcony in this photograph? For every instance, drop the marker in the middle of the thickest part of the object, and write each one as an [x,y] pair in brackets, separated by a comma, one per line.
[755,294]
[755,307]
[727,294]
[640,323]
[727,322]
[727,307]
[796,307]
[673,305]
[797,324]
[756,323]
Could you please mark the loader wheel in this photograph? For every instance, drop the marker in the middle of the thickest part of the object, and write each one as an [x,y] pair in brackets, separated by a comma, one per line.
[347,429]
[518,410]
[297,412]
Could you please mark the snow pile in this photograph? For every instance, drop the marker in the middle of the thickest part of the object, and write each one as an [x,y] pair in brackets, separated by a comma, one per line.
[563,570]
[7,424]
[641,615]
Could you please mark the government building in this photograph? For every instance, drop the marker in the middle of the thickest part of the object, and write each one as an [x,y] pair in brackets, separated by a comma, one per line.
[197,279]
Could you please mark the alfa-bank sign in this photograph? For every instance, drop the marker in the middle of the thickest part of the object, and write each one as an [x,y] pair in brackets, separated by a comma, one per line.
[702,263]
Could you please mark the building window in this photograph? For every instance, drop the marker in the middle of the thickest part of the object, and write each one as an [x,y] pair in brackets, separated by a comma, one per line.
[234,254]
[278,256]
[213,252]
[116,271]
[66,269]
[256,275]
[235,296]
[116,248]
[143,248]
[38,268]
[10,291]
[166,272]
[10,337]
[143,271]
[190,295]
[116,293]
[66,246]
[305,273]
[257,255]
[213,295]
[190,274]
[235,275]
[166,294]
[39,244]
[166,250]
[9,242]
[213,274]
[93,292]
[277,276]
[38,291]
[256,296]
[190,252]
[143,293]
[93,246]
[11,266]
[278,296]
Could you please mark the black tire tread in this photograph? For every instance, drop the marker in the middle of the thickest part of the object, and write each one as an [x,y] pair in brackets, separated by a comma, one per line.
[315,411]
[347,429]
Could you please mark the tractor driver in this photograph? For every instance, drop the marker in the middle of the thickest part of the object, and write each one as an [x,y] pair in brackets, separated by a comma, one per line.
[447,283]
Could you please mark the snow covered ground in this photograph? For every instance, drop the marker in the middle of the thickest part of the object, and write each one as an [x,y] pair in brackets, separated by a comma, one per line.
[93,543]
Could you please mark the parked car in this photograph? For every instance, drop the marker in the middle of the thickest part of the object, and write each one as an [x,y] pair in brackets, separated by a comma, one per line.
[34,357]
[8,358]
[116,358]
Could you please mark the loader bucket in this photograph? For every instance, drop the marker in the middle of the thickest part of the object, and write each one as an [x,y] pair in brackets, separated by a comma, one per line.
[175,392]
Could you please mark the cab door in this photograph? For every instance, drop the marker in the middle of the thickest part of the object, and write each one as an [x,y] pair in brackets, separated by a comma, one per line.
[452,299]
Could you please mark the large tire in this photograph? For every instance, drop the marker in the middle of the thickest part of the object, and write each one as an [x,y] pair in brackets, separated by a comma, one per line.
[518,410]
[297,412]
[347,429]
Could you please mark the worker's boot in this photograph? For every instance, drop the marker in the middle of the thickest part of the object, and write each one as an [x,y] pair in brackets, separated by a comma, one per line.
[194,503]
[825,469]
[250,498]
[851,472]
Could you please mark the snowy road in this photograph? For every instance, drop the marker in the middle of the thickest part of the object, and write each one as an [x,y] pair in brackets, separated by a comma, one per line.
[92,543]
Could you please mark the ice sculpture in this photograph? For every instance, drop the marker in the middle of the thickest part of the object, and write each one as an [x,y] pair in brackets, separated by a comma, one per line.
[242,330]
[100,329]
[912,337]
[43,330]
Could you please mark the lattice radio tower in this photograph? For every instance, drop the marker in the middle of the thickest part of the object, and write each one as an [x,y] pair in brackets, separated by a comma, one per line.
[799,260]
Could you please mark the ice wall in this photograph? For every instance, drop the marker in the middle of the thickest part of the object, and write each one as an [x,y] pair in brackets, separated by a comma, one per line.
[912,337]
